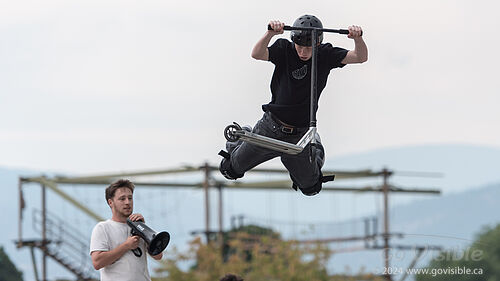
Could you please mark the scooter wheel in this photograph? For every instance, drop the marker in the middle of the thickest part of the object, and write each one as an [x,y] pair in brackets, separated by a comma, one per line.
[229,132]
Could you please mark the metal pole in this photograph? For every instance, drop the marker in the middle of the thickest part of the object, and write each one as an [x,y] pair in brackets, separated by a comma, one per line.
[33,260]
[385,188]
[219,188]
[240,219]
[207,200]
[44,233]
[367,232]
[312,122]
[20,225]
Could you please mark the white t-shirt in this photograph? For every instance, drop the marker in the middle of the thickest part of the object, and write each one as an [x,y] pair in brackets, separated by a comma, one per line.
[108,235]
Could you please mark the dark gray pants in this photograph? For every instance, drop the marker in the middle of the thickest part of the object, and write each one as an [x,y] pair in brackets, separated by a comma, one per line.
[245,156]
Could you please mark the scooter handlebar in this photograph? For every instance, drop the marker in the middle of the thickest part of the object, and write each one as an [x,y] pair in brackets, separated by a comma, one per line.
[287,27]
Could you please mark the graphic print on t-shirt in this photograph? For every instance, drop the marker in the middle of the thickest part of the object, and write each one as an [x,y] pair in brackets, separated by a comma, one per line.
[300,73]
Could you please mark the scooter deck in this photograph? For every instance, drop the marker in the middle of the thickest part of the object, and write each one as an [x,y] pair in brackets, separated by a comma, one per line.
[270,143]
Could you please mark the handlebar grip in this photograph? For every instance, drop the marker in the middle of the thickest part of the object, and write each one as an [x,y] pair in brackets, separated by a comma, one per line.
[345,31]
[286,27]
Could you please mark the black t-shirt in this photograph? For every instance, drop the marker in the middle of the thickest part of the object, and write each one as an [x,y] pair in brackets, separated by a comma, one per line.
[291,82]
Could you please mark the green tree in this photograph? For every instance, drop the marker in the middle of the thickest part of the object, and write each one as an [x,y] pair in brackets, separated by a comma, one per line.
[483,256]
[8,271]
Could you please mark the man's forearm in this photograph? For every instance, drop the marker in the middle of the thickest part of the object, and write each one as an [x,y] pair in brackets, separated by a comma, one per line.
[360,49]
[103,259]
[260,51]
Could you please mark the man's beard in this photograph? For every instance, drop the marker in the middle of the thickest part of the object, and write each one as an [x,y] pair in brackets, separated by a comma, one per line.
[125,213]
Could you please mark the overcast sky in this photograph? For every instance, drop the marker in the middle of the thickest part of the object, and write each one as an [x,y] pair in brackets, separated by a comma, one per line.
[96,86]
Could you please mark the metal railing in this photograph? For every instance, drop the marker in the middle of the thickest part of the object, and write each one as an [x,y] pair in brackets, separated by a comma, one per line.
[66,245]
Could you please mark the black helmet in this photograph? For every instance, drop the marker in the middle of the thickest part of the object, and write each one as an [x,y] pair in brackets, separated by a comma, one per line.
[302,37]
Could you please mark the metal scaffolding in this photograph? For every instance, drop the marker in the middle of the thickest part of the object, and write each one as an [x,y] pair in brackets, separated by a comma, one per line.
[211,182]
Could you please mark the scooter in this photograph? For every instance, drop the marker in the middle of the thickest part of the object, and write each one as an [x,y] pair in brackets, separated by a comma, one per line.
[234,132]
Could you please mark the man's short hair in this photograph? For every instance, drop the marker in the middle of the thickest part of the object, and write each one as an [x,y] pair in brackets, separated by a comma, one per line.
[231,277]
[111,189]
